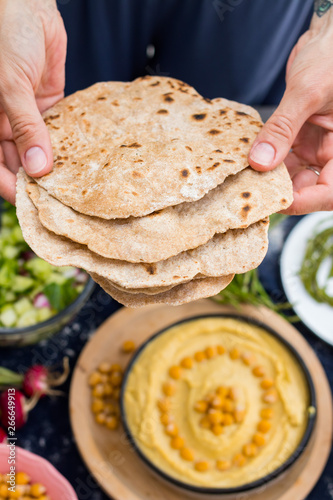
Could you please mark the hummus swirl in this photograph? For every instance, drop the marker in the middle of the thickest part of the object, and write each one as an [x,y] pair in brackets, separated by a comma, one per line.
[171,385]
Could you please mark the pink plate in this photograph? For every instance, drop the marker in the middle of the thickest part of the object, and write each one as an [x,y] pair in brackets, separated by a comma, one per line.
[40,470]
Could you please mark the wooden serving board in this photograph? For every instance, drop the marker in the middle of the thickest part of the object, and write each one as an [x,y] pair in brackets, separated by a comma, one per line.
[108,454]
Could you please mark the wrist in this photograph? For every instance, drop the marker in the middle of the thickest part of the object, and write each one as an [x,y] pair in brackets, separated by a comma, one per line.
[322,19]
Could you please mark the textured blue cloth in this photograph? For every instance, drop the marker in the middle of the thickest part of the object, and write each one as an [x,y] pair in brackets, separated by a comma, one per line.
[236,49]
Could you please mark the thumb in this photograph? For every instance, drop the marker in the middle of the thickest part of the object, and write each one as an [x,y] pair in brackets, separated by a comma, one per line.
[276,138]
[29,131]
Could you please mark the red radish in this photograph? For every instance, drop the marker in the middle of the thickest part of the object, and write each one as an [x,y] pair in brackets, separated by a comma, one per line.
[81,277]
[3,436]
[23,272]
[28,255]
[41,301]
[39,380]
[14,408]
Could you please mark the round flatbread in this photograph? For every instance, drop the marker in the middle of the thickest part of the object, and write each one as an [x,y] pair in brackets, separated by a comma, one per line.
[240,201]
[181,294]
[235,251]
[129,149]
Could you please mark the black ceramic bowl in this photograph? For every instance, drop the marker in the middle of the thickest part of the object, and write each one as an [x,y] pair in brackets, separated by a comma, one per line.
[201,491]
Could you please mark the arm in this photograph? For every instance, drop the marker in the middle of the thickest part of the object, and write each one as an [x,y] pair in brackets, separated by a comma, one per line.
[32,60]
[304,119]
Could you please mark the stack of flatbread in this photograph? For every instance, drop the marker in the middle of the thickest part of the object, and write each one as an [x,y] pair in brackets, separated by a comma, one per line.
[151,191]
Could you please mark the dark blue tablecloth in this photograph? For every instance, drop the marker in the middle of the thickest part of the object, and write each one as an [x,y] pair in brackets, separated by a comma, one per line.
[48,431]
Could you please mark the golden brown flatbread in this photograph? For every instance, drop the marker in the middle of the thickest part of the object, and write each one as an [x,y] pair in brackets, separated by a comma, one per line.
[129,149]
[240,201]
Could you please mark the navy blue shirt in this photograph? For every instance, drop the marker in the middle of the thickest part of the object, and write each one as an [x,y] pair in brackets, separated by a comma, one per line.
[236,49]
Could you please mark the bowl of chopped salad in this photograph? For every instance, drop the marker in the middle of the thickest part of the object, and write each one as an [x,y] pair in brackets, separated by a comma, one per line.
[36,298]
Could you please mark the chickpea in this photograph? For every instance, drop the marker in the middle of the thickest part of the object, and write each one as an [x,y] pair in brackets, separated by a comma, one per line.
[248,358]
[239,460]
[201,406]
[100,418]
[233,393]
[3,490]
[164,405]
[97,406]
[171,429]
[210,352]
[215,416]
[270,396]
[217,429]
[187,363]
[250,450]
[205,423]
[168,389]
[217,402]
[264,426]
[110,408]
[199,356]
[267,413]
[37,490]
[116,378]
[116,367]
[228,406]
[201,466]
[108,389]
[128,346]
[228,419]
[94,379]
[187,454]
[175,372]
[177,443]
[112,422]
[234,353]
[165,418]
[258,371]
[104,367]
[259,439]
[22,478]
[222,391]
[223,464]
[267,383]
[98,390]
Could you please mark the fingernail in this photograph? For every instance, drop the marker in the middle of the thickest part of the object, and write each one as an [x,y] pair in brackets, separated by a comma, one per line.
[263,154]
[35,160]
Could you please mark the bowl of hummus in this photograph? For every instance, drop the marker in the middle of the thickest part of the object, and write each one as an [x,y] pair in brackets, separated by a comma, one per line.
[218,404]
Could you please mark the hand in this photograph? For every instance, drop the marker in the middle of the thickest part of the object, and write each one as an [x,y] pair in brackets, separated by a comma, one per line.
[32,78]
[303,122]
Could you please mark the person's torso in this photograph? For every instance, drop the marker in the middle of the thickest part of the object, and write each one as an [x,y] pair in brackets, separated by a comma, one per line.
[231,48]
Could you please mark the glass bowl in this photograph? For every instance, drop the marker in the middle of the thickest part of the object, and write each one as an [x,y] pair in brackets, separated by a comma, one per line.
[220,492]
[18,337]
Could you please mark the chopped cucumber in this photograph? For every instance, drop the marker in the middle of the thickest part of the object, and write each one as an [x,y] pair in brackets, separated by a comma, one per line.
[39,268]
[9,296]
[8,317]
[44,313]
[23,305]
[10,252]
[80,288]
[57,278]
[7,273]
[22,284]
[27,319]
